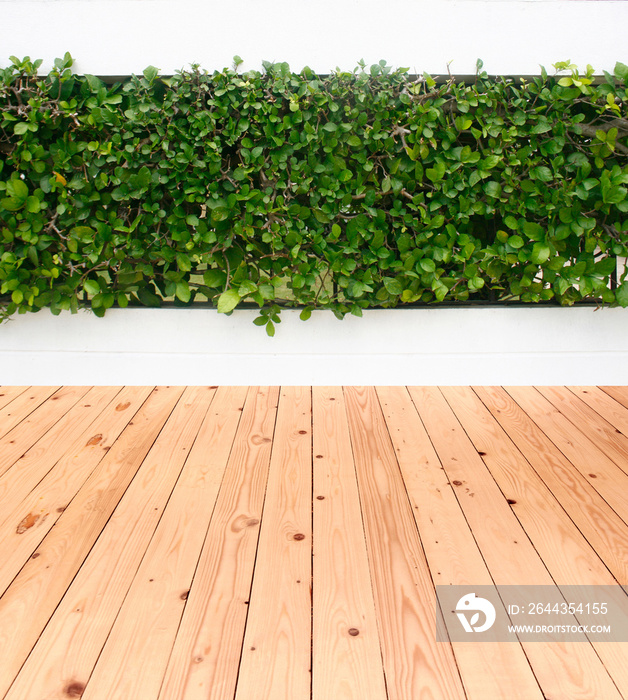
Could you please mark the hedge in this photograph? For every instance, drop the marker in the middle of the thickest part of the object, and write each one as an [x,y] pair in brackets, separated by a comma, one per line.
[370,188]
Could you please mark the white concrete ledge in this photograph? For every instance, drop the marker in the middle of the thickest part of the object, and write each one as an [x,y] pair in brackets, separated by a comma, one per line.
[487,345]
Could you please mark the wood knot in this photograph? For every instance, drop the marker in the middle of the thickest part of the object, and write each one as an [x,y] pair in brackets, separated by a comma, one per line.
[354,632]
[123,406]
[457,483]
[198,659]
[319,456]
[74,690]
[482,454]
[302,432]
[184,595]
[511,501]
[94,440]
[320,498]
[299,536]
[593,476]
[26,523]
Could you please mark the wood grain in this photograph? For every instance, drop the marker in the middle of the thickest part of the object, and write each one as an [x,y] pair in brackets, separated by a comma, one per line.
[569,670]
[234,543]
[25,521]
[594,518]
[36,421]
[68,649]
[346,655]
[133,661]
[21,405]
[8,394]
[587,421]
[568,556]
[276,652]
[451,551]
[205,659]
[46,577]
[415,664]
[619,393]
[608,479]
[612,411]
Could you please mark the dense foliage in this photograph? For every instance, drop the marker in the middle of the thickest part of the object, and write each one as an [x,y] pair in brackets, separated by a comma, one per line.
[358,189]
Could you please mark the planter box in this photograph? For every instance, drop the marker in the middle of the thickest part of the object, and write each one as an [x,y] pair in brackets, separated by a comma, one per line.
[485,345]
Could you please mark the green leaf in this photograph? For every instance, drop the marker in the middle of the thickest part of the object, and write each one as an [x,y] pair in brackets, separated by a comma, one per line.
[393,286]
[91,287]
[540,253]
[16,189]
[621,294]
[151,73]
[11,204]
[20,128]
[436,173]
[183,291]
[533,230]
[148,298]
[515,242]
[511,222]
[247,287]
[228,300]
[493,189]
[541,173]
[214,278]
[184,263]
[621,71]
[32,204]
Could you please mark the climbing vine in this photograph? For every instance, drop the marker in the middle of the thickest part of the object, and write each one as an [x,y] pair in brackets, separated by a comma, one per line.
[369,188]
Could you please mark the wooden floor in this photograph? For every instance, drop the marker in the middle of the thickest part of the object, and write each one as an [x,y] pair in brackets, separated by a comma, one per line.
[261,543]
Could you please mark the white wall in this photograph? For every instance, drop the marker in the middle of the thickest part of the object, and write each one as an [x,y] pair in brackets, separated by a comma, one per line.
[117,37]
[446,346]
[486,345]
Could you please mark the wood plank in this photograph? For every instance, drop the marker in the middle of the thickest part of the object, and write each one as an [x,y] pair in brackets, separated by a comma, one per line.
[487,669]
[47,575]
[346,655]
[619,393]
[33,426]
[415,664]
[68,648]
[8,393]
[276,652]
[589,422]
[567,555]
[66,435]
[602,527]
[205,658]
[612,411]
[608,479]
[22,405]
[134,659]
[564,670]
[24,523]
